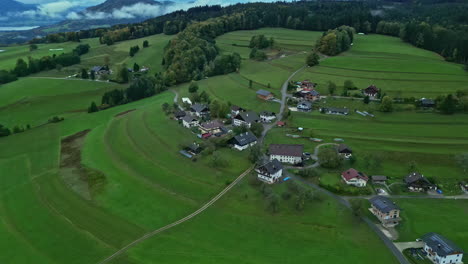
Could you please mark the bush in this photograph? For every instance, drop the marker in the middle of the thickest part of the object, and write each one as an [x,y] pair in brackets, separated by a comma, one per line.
[56,119]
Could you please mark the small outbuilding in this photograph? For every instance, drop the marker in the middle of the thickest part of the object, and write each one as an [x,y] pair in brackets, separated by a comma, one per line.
[344,151]
[379,179]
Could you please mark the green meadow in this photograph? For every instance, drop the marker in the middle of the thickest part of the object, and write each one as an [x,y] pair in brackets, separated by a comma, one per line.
[397,68]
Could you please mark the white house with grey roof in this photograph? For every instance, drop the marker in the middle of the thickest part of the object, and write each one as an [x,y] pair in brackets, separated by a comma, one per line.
[440,250]
[189,121]
[200,110]
[270,172]
[286,153]
[244,141]
[245,119]
[385,210]
[267,117]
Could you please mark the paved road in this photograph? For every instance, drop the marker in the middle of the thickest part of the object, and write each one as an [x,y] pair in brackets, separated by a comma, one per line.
[426,196]
[178,222]
[314,157]
[68,79]
[404,245]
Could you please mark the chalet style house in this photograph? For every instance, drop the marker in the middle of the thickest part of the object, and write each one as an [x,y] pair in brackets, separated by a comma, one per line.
[440,250]
[307,95]
[99,70]
[286,153]
[200,110]
[211,127]
[243,141]
[334,111]
[379,179]
[416,182]
[371,91]
[270,172]
[264,95]
[189,121]
[344,151]
[305,85]
[235,110]
[304,106]
[385,210]
[354,178]
[267,117]
[179,115]
[246,119]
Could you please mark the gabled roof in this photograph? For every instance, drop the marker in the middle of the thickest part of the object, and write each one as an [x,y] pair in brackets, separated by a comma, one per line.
[441,245]
[379,178]
[180,114]
[263,93]
[354,174]
[189,118]
[337,110]
[236,108]
[371,90]
[305,104]
[343,148]
[286,150]
[383,204]
[248,117]
[270,168]
[212,124]
[414,177]
[244,139]
[425,101]
[199,108]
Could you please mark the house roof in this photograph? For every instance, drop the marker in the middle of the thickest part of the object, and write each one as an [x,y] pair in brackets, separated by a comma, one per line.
[263,93]
[379,178]
[414,177]
[352,174]
[179,114]
[441,245]
[212,124]
[244,139]
[248,117]
[189,118]
[194,147]
[286,150]
[383,204]
[343,148]
[236,108]
[270,168]
[305,104]
[371,89]
[425,101]
[199,108]
[337,110]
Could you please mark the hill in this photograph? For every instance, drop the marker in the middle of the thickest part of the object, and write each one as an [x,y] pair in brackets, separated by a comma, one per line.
[14,6]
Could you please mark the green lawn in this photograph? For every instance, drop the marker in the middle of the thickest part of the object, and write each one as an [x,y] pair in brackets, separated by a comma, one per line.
[397,68]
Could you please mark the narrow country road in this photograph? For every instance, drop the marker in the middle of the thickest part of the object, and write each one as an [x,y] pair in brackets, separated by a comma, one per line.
[178,222]
[314,157]
[176,98]
[68,79]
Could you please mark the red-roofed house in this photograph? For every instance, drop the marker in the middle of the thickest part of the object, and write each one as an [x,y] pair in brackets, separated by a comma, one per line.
[355,178]
[371,91]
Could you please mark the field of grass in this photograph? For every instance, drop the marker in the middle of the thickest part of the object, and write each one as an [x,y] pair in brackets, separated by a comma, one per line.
[397,68]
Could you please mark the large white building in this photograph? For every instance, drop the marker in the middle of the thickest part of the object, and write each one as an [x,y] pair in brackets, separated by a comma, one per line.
[245,119]
[286,153]
[354,178]
[270,172]
[440,250]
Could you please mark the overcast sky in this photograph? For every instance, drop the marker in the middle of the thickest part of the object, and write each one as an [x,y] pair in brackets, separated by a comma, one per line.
[81,2]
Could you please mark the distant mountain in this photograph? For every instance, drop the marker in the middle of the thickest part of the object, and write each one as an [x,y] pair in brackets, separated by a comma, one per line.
[8,6]
[111,5]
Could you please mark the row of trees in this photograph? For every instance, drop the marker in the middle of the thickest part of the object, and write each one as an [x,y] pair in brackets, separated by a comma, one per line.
[335,41]
[261,42]
[134,50]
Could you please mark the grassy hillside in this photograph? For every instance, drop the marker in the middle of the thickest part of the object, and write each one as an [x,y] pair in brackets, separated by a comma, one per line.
[397,68]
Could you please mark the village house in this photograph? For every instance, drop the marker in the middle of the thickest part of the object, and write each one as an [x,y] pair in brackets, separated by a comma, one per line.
[344,151]
[440,250]
[334,111]
[235,110]
[189,121]
[244,141]
[464,186]
[305,85]
[194,149]
[264,95]
[307,95]
[246,119]
[200,110]
[416,182]
[354,178]
[385,210]
[427,103]
[270,172]
[267,117]
[379,179]
[211,127]
[371,91]
[179,115]
[304,106]
[286,153]
[99,70]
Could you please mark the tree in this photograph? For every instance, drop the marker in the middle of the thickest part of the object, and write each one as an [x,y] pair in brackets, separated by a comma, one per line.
[21,68]
[136,67]
[33,47]
[448,105]
[4,131]
[331,88]
[145,44]
[239,129]
[462,160]
[84,74]
[348,84]
[250,84]
[257,129]
[193,87]
[312,59]
[366,99]
[255,154]
[122,74]
[93,108]
[166,108]
[329,158]
[356,207]
[92,76]
[217,160]
[215,106]
[386,105]
[273,200]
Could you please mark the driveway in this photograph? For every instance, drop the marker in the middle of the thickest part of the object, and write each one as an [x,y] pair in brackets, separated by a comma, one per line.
[404,245]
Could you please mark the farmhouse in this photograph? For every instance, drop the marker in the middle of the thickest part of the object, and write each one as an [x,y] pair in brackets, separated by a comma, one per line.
[98,70]
[235,110]
[270,172]
[344,150]
[189,121]
[385,210]
[464,186]
[267,117]
[334,111]
[179,115]
[371,91]
[264,95]
[200,110]
[354,178]
[416,182]
[307,95]
[244,141]
[286,153]
[245,119]
[306,85]
[379,179]
[194,149]
[304,106]
[428,103]
[212,127]
[440,250]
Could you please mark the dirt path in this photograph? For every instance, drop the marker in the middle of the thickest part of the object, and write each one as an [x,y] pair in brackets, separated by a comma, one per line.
[178,222]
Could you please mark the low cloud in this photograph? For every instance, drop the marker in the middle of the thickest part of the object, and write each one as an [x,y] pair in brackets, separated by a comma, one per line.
[55,10]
